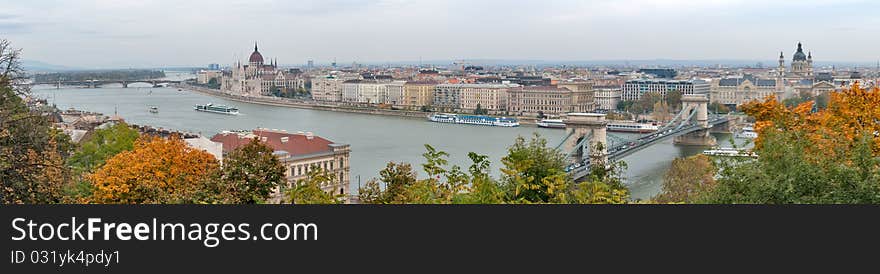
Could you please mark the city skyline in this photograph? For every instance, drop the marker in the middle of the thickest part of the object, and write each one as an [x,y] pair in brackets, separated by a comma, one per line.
[144,34]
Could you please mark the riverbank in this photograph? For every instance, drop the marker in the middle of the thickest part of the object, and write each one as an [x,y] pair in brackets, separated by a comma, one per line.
[314,105]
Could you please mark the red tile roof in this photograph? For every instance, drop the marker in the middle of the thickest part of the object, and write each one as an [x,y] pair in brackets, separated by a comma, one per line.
[296,145]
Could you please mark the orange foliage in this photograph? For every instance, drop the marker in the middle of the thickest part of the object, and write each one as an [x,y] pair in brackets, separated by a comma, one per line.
[156,171]
[851,114]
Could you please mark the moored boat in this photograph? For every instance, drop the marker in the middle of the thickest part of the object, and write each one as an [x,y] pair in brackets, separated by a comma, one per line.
[222,109]
[551,123]
[632,127]
[747,133]
[473,120]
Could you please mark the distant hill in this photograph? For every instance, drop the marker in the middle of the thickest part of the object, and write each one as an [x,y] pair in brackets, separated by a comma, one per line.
[37,66]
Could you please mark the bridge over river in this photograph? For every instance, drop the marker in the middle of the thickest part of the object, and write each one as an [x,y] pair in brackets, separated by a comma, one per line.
[99,83]
[586,143]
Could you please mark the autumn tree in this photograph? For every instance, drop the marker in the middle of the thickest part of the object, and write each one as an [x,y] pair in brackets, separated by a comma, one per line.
[673,100]
[156,171]
[251,173]
[645,103]
[662,112]
[32,153]
[687,179]
[827,156]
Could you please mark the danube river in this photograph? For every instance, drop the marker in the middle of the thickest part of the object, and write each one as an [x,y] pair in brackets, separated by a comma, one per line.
[375,140]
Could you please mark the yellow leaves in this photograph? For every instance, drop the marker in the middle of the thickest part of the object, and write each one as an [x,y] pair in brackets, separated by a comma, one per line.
[156,171]
[851,114]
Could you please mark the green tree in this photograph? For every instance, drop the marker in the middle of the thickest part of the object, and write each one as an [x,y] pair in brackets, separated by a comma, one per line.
[480,110]
[250,173]
[718,108]
[101,145]
[624,105]
[398,179]
[213,83]
[532,172]
[93,152]
[308,191]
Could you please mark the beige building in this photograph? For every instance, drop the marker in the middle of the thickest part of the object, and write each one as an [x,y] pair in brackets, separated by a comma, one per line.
[606,97]
[551,100]
[734,92]
[466,97]
[299,153]
[418,94]
[327,88]
[813,87]
[205,76]
[395,90]
[582,96]
[365,91]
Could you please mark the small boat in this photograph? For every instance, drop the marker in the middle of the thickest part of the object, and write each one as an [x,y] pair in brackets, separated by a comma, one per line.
[154,109]
[729,152]
[551,123]
[473,120]
[747,133]
[217,109]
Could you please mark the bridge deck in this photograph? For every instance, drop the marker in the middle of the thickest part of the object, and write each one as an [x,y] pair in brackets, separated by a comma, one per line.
[619,151]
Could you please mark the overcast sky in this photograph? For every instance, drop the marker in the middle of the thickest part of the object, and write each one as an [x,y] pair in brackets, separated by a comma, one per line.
[138,33]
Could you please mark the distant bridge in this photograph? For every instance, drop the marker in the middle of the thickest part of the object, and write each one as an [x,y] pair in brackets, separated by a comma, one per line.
[99,83]
[586,142]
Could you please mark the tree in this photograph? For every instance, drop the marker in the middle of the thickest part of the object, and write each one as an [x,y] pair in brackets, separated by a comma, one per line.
[673,100]
[399,180]
[101,145]
[718,108]
[645,103]
[93,152]
[251,173]
[532,172]
[661,111]
[308,191]
[624,105]
[32,153]
[213,83]
[480,110]
[12,73]
[827,156]
[687,179]
[156,171]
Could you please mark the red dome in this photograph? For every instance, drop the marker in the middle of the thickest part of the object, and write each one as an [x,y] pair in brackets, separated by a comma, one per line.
[256,57]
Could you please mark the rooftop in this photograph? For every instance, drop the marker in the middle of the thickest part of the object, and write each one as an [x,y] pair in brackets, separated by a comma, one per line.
[294,144]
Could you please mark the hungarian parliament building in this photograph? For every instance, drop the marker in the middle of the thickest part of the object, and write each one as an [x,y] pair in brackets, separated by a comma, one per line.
[257,78]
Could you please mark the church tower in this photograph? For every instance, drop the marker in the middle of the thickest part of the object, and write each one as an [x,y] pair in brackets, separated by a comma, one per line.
[781,69]
[810,64]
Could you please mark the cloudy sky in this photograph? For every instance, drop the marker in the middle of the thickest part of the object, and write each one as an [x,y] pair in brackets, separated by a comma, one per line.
[139,33]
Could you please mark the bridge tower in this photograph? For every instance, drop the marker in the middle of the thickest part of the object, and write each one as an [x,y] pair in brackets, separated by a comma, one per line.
[586,125]
[698,103]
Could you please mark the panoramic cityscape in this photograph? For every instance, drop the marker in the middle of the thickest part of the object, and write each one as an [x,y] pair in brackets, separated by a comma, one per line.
[281,121]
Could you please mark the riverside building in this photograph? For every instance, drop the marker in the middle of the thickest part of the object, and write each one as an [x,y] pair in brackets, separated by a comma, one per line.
[257,78]
[299,153]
